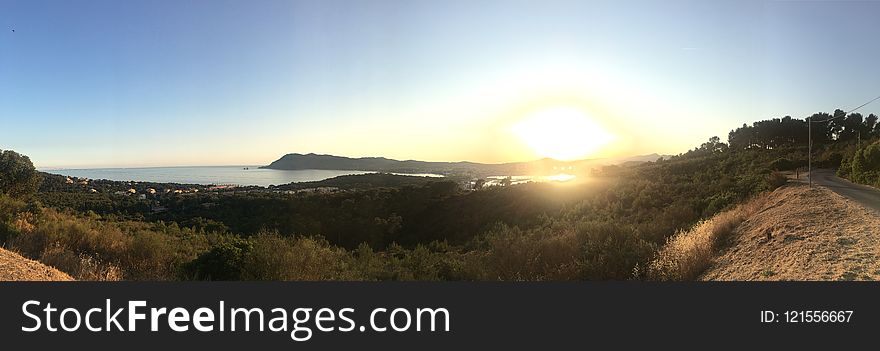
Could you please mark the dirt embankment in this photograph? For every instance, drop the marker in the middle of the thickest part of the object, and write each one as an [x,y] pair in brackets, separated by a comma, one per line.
[802,233]
[15,267]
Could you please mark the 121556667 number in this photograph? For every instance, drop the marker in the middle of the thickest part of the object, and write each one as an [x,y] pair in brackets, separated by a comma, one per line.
[818,316]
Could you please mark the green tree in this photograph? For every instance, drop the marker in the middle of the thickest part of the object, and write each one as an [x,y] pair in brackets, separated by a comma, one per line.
[714,145]
[225,261]
[872,156]
[871,125]
[858,166]
[18,178]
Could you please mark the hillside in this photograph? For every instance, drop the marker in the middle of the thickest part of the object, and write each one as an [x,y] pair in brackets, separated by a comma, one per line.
[362,181]
[380,164]
[814,234]
[17,268]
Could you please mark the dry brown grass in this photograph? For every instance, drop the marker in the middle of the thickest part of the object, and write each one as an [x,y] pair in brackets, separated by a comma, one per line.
[689,253]
[90,249]
[61,241]
[80,266]
[14,267]
[803,233]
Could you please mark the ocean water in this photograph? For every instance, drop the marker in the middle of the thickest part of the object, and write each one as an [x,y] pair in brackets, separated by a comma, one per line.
[237,175]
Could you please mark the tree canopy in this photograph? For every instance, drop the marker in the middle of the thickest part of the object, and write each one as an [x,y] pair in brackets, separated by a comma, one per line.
[18,178]
[788,131]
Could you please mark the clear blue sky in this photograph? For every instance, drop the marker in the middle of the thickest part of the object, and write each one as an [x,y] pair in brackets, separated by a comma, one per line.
[143,83]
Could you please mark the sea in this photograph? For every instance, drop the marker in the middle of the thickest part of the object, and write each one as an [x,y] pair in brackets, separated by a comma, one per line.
[207,175]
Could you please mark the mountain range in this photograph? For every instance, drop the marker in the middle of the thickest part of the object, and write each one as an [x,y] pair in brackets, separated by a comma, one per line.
[546,166]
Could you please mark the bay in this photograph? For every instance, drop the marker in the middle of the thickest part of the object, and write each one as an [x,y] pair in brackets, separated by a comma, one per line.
[238,175]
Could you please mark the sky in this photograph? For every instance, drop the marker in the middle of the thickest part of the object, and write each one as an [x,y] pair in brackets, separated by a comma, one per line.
[165,83]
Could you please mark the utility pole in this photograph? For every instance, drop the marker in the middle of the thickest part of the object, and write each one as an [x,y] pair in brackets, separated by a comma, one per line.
[810,151]
[810,137]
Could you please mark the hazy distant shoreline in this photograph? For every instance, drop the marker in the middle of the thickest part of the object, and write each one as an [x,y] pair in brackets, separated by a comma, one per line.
[242,175]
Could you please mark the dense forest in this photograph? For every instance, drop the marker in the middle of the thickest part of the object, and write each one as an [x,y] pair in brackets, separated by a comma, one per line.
[387,227]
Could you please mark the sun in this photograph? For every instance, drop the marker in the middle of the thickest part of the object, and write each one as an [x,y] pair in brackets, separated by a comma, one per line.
[562,133]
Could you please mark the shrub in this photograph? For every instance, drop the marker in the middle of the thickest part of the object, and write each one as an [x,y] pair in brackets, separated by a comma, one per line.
[149,256]
[776,179]
[864,165]
[80,266]
[78,247]
[612,251]
[829,159]
[544,253]
[418,263]
[563,251]
[225,261]
[782,164]
[9,212]
[10,207]
[273,257]
[719,202]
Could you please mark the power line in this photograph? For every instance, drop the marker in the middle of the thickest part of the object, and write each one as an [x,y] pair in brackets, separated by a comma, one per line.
[850,111]
[863,105]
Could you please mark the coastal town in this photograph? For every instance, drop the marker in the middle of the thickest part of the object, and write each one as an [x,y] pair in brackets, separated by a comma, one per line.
[152,190]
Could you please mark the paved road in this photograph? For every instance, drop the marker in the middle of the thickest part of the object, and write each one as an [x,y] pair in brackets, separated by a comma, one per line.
[863,194]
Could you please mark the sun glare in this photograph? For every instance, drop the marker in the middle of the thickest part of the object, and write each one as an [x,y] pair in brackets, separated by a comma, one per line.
[562,133]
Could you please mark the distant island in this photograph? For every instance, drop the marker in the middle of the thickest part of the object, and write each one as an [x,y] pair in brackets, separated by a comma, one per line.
[544,166]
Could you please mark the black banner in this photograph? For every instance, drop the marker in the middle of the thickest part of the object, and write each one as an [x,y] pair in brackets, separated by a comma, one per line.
[478,315]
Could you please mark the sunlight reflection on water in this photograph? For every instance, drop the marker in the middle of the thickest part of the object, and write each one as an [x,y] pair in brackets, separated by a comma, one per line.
[522,179]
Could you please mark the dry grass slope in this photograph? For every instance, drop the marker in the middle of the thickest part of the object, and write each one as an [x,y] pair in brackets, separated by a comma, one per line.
[689,253]
[14,267]
[802,233]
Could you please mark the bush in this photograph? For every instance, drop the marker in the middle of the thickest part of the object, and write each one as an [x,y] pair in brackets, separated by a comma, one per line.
[436,261]
[149,256]
[563,251]
[80,266]
[225,261]
[78,247]
[865,165]
[545,253]
[612,251]
[9,211]
[829,159]
[273,257]
[776,179]
[719,202]
[782,164]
